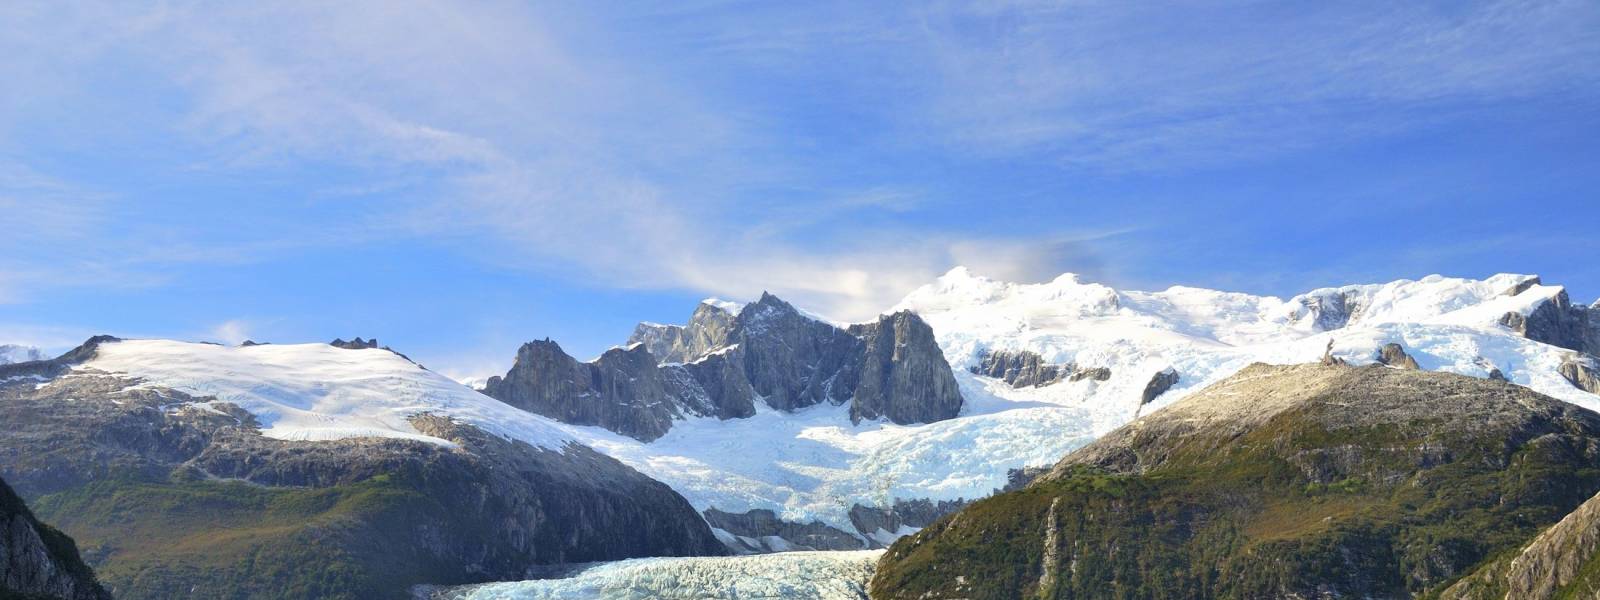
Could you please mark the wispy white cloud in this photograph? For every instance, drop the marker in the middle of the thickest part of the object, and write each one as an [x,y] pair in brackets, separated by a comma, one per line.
[619,149]
[233,331]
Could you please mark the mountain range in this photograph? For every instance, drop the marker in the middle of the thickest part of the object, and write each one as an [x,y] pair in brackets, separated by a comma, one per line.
[346,469]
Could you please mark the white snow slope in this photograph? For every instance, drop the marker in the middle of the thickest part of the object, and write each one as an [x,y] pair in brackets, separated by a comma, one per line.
[320,392]
[814,464]
[790,576]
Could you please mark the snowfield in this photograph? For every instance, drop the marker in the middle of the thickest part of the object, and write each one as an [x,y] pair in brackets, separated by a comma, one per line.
[320,392]
[1446,324]
[789,576]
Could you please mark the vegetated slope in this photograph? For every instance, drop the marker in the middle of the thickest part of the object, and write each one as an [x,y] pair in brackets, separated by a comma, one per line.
[37,561]
[1281,481]
[1563,562]
[309,470]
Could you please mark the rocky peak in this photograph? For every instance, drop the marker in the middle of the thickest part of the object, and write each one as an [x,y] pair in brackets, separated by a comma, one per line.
[721,364]
[708,329]
[355,344]
[903,375]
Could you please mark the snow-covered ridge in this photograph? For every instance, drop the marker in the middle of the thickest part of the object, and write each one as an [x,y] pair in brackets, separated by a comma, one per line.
[318,391]
[1447,324]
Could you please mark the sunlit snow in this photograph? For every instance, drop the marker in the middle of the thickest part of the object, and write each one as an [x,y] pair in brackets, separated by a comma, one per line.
[790,575]
[318,391]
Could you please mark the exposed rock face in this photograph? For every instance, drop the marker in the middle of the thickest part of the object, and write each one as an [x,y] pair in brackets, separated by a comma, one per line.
[38,561]
[1159,384]
[904,376]
[763,531]
[1582,372]
[709,328]
[891,368]
[1027,369]
[1395,355]
[358,517]
[869,520]
[1305,481]
[1559,322]
[1333,310]
[355,344]
[1559,563]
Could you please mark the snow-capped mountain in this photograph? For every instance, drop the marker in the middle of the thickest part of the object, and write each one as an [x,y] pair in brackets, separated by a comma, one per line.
[1044,368]
[322,458]
[1510,325]
[13,353]
[320,391]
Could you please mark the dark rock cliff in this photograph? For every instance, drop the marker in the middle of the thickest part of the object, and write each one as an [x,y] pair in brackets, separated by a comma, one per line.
[36,560]
[891,368]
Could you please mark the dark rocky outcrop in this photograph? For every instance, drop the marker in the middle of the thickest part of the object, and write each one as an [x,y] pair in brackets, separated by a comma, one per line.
[761,525]
[1159,384]
[891,368]
[1394,355]
[869,520]
[1332,310]
[622,390]
[1023,368]
[172,499]
[903,374]
[36,560]
[355,344]
[1582,372]
[1559,322]
[1305,481]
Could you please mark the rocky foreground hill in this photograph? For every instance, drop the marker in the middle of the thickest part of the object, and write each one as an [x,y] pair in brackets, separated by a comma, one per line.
[37,561]
[171,492]
[1305,481]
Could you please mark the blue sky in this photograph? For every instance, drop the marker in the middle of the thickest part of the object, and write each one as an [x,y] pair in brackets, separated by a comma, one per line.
[458,178]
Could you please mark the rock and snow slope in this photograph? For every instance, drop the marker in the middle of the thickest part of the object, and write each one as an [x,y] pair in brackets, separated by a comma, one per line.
[1445,324]
[816,464]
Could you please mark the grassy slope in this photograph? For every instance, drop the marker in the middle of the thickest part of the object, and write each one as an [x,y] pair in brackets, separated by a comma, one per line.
[1247,523]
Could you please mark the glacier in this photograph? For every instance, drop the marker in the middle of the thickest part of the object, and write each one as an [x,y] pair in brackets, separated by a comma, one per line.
[789,575]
